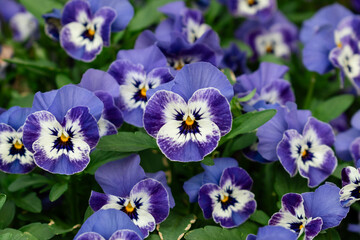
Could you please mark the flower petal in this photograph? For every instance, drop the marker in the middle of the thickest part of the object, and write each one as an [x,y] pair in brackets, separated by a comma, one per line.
[126,235]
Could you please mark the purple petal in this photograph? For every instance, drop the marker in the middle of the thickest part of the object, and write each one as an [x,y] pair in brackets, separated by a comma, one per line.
[150,57]
[205,201]
[9,8]
[237,177]
[322,131]
[296,119]
[145,39]
[313,228]
[110,112]
[125,234]
[173,9]
[161,177]
[73,9]
[42,101]
[215,105]
[118,177]
[98,200]
[350,175]
[212,174]
[159,76]
[325,203]
[107,222]
[292,203]
[192,187]
[201,75]
[15,116]
[106,16]
[274,232]
[287,150]
[343,141]
[90,236]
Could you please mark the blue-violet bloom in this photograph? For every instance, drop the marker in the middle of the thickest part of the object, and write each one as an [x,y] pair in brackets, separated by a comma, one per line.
[258,9]
[350,191]
[273,232]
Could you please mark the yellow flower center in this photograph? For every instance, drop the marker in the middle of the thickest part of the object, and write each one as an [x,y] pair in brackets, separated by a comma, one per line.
[251,2]
[189,121]
[225,199]
[91,32]
[301,226]
[339,45]
[18,145]
[129,208]
[269,49]
[143,92]
[64,138]
[303,154]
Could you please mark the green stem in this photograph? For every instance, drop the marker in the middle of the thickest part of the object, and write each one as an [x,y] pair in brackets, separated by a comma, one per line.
[310,93]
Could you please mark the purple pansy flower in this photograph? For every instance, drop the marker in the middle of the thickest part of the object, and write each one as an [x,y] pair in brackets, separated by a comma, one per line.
[184,37]
[310,212]
[318,37]
[273,232]
[146,200]
[136,71]
[106,89]
[22,23]
[63,129]
[235,59]
[309,153]
[278,36]
[211,174]
[83,34]
[229,203]
[109,224]
[189,120]
[269,83]
[259,9]
[350,191]
[14,156]
[53,24]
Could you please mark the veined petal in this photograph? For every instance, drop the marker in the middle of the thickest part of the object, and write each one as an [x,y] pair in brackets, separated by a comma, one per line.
[294,204]
[106,127]
[125,234]
[99,201]
[90,236]
[208,198]
[349,194]
[145,222]
[319,132]
[312,228]
[350,175]
[103,19]
[212,174]
[76,11]
[209,103]
[235,177]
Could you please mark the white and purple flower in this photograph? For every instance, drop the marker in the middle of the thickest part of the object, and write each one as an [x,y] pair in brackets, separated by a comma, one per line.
[14,156]
[310,152]
[259,9]
[230,203]
[310,212]
[109,224]
[83,33]
[63,129]
[145,198]
[136,71]
[189,120]
[350,191]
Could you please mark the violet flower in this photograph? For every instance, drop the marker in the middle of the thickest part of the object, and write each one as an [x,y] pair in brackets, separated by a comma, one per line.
[273,232]
[278,36]
[53,24]
[145,199]
[310,212]
[258,9]
[14,156]
[234,59]
[109,224]
[63,129]
[106,89]
[189,120]
[229,203]
[83,33]
[269,83]
[350,191]
[136,71]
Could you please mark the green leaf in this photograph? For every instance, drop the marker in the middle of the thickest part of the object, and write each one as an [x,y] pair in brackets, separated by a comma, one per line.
[332,108]
[57,190]
[62,80]
[22,101]
[38,230]
[248,97]
[285,184]
[13,234]
[229,75]
[30,202]
[272,58]
[147,15]
[176,226]
[39,65]
[339,168]
[88,213]
[330,234]
[28,180]
[209,232]
[208,161]
[248,122]
[127,142]
[7,214]
[260,217]
[2,200]
[40,7]
[98,158]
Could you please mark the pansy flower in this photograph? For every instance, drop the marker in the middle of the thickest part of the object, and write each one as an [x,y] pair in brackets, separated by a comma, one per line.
[146,200]
[230,203]
[183,37]
[278,36]
[83,33]
[234,59]
[63,129]
[53,24]
[189,120]
[136,71]
[259,9]
[269,83]
[14,156]
[106,89]
[350,191]
[273,232]
[109,224]
[310,212]
[22,23]
[310,152]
